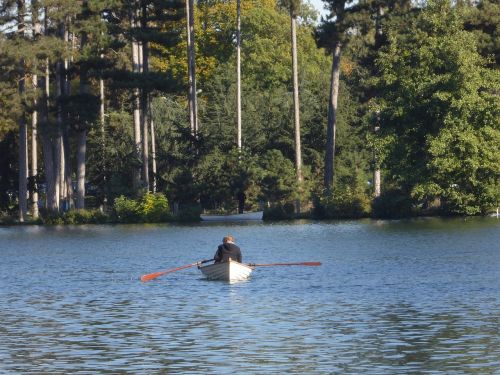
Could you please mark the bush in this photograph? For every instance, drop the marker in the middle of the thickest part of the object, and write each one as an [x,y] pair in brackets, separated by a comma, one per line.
[392,204]
[52,218]
[280,211]
[126,210]
[342,205]
[85,217]
[75,217]
[6,219]
[151,208]
[189,214]
[154,208]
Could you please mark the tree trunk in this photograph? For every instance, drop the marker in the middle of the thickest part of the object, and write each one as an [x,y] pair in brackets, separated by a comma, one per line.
[67,170]
[52,202]
[80,168]
[376,168]
[49,167]
[23,132]
[23,162]
[238,70]
[34,152]
[82,138]
[378,44]
[145,105]
[103,137]
[296,104]
[37,30]
[192,97]
[137,109]
[58,156]
[153,154]
[332,119]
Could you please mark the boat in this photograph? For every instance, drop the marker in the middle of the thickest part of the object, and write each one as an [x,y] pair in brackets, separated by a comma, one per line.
[227,271]
[236,217]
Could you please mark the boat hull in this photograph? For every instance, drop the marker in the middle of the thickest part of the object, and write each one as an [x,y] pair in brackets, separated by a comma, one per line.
[228,271]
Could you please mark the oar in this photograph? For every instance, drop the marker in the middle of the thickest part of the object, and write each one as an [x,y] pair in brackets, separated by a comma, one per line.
[286,264]
[151,276]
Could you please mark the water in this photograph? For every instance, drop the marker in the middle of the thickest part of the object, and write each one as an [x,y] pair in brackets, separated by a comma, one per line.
[420,296]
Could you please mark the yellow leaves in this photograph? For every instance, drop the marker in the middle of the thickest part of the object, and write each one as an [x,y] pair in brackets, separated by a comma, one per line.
[215,29]
[346,66]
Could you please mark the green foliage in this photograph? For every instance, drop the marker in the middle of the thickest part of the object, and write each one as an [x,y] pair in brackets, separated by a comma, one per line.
[345,204]
[440,114]
[279,184]
[437,97]
[392,204]
[190,213]
[280,211]
[76,217]
[6,218]
[153,208]
[150,208]
[126,210]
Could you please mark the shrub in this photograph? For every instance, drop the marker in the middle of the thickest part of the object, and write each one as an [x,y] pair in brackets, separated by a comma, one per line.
[126,210]
[189,214]
[6,219]
[345,204]
[75,217]
[153,208]
[280,211]
[392,204]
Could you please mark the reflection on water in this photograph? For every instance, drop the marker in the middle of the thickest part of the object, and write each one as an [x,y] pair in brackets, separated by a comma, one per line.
[391,297]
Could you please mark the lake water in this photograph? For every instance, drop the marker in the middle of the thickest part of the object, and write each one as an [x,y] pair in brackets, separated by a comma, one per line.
[392,297]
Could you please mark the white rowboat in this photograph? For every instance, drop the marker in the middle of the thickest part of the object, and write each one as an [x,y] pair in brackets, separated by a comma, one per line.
[228,271]
[236,217]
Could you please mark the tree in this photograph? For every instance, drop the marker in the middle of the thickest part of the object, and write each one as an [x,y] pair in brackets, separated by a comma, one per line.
[331,35]
[440,114]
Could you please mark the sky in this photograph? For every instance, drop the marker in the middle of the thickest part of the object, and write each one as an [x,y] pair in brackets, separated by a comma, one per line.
[318,4]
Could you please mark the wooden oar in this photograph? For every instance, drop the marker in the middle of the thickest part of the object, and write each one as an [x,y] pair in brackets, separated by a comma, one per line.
[151,276]
[286,264]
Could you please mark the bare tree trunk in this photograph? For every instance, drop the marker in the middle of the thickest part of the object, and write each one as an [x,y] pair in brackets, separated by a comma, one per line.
[103,137]
[238,70]
[80,168]
[67,170]
[23,132]
[23,162]
[137,108]
[34,151]
[145,105]
[153,154]
[48,158]
[378,43]
[332,119]
[193,103]
[82,138]
[296,106]
[59,157]
[52,202]
[37,31]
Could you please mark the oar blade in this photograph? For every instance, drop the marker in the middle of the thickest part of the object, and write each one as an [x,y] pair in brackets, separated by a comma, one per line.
[311,263]
[151,276]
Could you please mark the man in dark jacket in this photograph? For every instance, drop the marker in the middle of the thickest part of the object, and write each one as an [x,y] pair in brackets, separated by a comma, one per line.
[227,250]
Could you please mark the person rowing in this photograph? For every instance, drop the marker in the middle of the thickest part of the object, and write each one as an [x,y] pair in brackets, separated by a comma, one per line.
[228,250]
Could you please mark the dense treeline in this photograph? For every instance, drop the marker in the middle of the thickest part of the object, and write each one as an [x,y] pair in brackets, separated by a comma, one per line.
[148,109]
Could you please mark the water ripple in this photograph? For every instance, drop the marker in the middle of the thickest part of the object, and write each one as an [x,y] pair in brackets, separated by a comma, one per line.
[390,298]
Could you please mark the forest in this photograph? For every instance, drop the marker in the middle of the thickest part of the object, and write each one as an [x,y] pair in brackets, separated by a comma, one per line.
[149,110]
